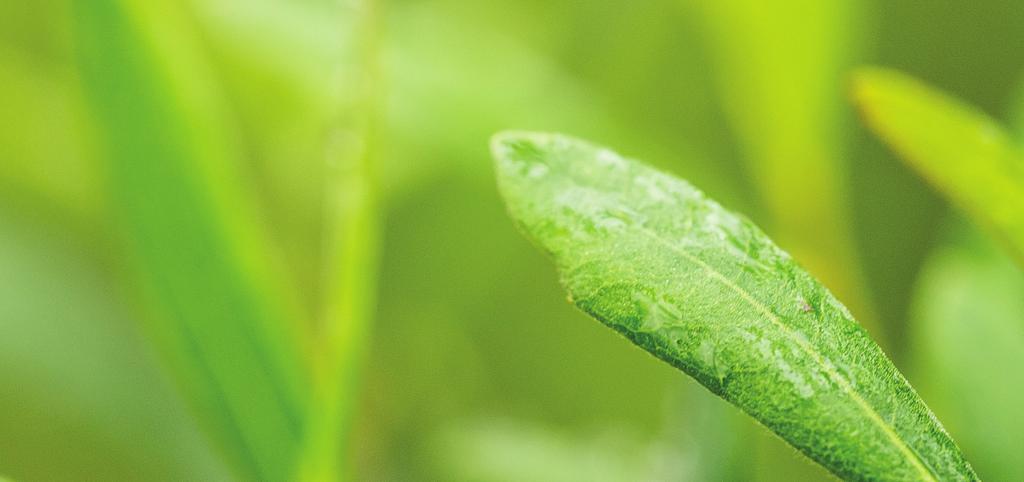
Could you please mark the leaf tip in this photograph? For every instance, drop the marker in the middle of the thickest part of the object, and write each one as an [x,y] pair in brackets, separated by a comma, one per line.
[512,144]
[869,85]
[521,154]
[866,78]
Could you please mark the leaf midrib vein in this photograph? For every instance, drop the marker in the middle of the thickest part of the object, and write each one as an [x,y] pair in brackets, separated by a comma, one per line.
[809,350]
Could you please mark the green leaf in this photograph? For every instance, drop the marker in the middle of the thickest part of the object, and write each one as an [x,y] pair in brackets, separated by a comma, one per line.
[961,151]
[192,241]
[705,290]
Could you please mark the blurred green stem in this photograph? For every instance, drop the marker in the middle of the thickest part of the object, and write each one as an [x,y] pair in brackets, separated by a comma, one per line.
[350,266]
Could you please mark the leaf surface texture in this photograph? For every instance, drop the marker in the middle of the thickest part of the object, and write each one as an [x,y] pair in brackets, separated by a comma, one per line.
[962,152]
[705,290]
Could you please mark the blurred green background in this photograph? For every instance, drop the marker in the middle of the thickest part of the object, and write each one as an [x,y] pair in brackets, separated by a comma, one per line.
[320,169]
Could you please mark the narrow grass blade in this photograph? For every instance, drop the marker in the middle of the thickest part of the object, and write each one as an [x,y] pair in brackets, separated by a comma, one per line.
[125,422]
[42,141]
[705,290]
[350,261]
[193,247]
[287,105]
[781,68]
[964,153]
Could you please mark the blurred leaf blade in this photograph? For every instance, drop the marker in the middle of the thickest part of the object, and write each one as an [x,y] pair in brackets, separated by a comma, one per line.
[350,264]
[127,421]
[962,152]
[42,139]
[706,291]
[287,106]
[193,245]
[781,68]
[969,297]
